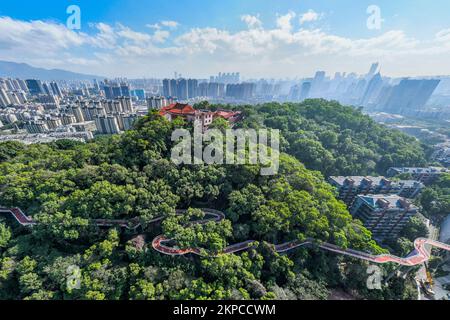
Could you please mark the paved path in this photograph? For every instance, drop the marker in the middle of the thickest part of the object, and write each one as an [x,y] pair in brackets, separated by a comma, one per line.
[161,244]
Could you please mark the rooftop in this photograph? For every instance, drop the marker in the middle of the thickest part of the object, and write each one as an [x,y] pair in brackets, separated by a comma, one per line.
[375,181]
[421,170]
[178,109]
[387,202]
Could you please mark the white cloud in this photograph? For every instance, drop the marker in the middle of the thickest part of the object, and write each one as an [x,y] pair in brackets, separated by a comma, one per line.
[251,21]
[165,23]
[17,34]
[309,16]
[129,34]
[170,24]
[161,36]
[153,26]
[284,21]
[283,50]
[443,36]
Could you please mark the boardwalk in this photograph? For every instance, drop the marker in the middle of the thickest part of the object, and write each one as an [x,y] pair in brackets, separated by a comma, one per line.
[162,244]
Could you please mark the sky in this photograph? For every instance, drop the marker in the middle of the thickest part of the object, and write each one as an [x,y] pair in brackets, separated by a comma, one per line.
[199,38]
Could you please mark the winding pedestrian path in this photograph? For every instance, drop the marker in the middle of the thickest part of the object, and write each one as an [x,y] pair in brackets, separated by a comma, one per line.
[162,244]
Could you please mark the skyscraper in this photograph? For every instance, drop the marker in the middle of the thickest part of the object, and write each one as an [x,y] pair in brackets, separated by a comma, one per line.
[306,89]
[166,88]
[108,92]
[316,85]
[56,89]
[117,91]
[35,86]
[409,95]
[182,89]
[373,90]
[173,88]
[125,90]
[47,89]
[107,124]
[192,88]
[4,99]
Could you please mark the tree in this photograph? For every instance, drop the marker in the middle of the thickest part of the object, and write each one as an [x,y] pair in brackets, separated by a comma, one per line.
[5,235]
[414,229]
[188,234]
[245,202]
[65,187]
[220,123]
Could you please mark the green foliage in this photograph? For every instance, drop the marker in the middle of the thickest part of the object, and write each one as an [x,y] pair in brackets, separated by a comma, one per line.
[5,235]
[65,185]
[335,139]
[435,199]
[210,236]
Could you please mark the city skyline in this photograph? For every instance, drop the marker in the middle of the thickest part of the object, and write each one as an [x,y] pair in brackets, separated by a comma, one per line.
[258,38]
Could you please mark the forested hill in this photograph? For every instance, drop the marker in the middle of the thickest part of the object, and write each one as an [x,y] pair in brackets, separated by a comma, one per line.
[336,139]
[64,185]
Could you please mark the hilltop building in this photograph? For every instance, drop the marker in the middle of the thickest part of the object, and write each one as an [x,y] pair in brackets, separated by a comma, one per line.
[384,216]
[350,187]
[203,118]
[424,175]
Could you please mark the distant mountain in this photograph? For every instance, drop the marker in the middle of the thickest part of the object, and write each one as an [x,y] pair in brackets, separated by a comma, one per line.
[25,71]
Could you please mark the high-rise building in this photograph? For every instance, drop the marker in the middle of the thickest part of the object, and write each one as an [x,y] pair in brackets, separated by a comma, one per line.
[96,85]
[374,68]
[306,89]
[408,95]
[192,88]
[4,99]
[35,86]
[107,124]
[384,216]
[373,90]
[117,91]
[108,92]
[166,88]
[182,89]
[14,98]
[157,103]
[56,90]
[22,85]
[68,119]
[129,120]
[213,90]
[226,78]
[47,89]
[317,84]
[138,93]
[173,88]
[53,122]
[34,126]
[241,91]
[77,112]
[126,104]
[125,90]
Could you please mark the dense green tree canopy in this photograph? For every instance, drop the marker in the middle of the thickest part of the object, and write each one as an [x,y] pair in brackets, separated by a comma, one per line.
[65,185]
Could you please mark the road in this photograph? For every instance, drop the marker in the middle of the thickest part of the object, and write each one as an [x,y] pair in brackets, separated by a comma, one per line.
[420,255]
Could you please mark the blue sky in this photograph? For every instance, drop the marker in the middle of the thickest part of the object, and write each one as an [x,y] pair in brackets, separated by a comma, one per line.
[283,38]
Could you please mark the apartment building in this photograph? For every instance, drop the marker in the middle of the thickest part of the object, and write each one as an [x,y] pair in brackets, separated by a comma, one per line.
[424,175]
[385,216]
[352,186]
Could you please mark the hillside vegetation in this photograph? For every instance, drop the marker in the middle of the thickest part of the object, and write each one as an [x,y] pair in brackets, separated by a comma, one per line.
[65,184]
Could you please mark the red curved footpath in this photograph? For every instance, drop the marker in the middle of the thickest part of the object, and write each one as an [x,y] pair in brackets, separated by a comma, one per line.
[417,257]
[161,244]
[26,221]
